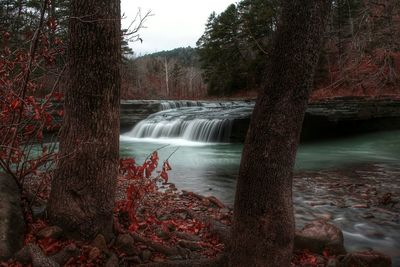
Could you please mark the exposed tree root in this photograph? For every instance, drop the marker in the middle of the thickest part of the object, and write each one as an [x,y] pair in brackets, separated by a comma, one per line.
[220,261]
[157,246]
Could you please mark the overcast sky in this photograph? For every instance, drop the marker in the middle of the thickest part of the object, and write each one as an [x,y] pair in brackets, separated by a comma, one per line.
[175,23]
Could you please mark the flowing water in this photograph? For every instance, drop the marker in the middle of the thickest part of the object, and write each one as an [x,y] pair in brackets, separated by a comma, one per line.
[192,121]
[343,180]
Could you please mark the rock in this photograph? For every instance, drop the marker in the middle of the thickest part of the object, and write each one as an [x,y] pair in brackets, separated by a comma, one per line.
[40,260]
[182,215]
[146,255]
[53,232]
[136,259]
[94,253]
[100,243]
[163,234]
[164,217]
[12,224]
[333,117]
[206,202]
[225,210]
[186,236]
[367,258]
[125,243]
[112,261]
[24,255]
[192,245]
[39,211]
[133,111]
[318,236]
[216,202]
[65,254]
[332,263]
[33,254]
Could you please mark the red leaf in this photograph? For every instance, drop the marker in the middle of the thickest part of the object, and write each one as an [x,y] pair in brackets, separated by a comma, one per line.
[40,135]
[154,156]
[31,99]
[166,166]
[37,114]
[164,175]
[15,104]
[48,118]
[325,253]
[133,227]
[57,96]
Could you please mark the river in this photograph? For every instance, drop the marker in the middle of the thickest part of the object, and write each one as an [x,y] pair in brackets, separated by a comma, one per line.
[343,180]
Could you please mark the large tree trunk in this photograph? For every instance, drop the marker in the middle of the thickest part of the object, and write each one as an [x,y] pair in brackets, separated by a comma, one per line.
[83,188]
[263,227]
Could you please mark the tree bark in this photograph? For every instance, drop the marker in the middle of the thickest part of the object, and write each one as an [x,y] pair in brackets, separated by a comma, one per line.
[83,188]
[263,226]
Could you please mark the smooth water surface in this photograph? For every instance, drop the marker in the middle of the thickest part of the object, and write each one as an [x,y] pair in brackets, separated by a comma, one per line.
[211,168]
[333,179]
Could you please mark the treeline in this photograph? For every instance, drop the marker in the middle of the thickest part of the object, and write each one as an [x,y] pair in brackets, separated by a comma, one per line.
[235,44]
[167,74]
[360,57]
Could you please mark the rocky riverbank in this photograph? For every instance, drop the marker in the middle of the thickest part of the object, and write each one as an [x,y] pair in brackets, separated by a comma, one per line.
[185,229]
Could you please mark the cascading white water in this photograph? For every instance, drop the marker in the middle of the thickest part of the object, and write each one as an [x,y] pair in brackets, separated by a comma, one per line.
[165,105]
[201,130]
[210,123]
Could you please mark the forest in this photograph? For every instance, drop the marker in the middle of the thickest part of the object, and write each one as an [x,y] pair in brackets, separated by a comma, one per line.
[273,141]
[360,54]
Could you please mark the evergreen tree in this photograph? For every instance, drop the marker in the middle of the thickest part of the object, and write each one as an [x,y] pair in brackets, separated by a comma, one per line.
[233,45]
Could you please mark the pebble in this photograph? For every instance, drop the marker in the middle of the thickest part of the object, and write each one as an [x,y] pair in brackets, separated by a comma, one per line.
[146,255]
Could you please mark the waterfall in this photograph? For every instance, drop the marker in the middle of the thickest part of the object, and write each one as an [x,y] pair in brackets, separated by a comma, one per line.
[201,130]
[210,122]
[165,105]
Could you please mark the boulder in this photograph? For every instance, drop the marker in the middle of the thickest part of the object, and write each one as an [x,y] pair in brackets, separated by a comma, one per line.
[367,258]
[94,253]
[126,244]
[112,261]
[53,232]
[100,243]
[65,254]
[146,255]
[318,236]
[12,224]
[191,245]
